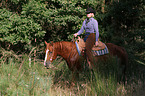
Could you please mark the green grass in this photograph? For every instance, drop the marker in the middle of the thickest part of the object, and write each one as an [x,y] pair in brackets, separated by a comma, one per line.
[19,78]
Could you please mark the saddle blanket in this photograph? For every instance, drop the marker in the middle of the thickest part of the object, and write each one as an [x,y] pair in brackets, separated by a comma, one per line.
[100,52]
[94,52]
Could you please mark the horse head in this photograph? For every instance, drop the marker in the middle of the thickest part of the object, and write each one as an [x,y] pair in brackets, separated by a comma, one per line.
[48,54]
[81,45]
[81,42]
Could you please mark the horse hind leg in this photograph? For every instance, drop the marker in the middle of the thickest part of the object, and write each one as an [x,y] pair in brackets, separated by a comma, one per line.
[125,65]
[122,68]
[119,69]
[124,62]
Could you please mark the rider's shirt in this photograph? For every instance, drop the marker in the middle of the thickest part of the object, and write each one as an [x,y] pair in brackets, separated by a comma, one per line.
[90,26]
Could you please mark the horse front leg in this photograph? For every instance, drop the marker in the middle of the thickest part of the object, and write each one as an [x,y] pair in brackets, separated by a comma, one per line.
[89,63]
[91,70]
[75,77]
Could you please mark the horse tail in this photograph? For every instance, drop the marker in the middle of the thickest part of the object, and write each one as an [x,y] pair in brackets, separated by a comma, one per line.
[125,61]
[122,54]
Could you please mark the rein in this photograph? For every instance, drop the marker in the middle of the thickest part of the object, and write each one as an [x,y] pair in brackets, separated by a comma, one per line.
[73,39]
[72,47]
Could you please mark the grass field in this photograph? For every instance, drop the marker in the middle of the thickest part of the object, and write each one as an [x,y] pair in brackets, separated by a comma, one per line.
[24,76]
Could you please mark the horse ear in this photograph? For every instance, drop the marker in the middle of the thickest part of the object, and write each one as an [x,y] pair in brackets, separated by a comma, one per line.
[51,43]
[79,38]
[45,42]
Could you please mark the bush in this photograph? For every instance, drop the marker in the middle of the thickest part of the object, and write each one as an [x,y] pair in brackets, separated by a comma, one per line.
[15,30]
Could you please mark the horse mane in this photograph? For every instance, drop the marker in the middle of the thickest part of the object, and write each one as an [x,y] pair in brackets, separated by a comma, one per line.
[63,46]
[57,45]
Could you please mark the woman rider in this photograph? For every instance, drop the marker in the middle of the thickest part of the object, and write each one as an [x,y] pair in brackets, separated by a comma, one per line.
[90,25]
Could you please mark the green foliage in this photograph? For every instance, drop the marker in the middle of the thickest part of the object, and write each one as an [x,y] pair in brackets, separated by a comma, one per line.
[123,20]
[61,19]
[15,29]
[13,5]
[57,22]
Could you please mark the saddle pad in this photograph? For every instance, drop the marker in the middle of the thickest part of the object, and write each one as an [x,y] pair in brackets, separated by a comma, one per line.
[78,48]
[100,52]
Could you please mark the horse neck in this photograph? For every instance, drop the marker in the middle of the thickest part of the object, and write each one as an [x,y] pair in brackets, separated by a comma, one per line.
[64,48]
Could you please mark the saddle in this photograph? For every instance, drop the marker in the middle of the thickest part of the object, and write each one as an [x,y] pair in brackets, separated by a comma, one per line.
[100,46]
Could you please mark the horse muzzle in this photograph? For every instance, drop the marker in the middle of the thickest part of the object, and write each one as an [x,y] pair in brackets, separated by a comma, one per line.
[46,64]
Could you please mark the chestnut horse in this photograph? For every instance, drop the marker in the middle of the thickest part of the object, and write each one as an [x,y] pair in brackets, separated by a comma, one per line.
[69,52]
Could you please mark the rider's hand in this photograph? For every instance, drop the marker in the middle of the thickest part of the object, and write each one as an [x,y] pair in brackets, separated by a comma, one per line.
[96,43]
[75,34]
